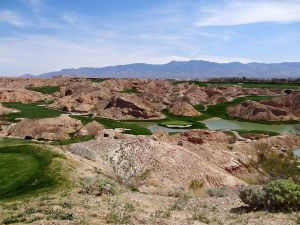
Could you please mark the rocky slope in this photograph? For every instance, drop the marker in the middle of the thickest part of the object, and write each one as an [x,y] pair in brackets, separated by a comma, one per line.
[181,108]
[20,95]
[47,129]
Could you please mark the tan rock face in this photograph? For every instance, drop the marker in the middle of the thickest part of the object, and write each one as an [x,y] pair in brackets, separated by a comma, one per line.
[49,129]
[277,109]
[91,128]
[20,95]
[181,108]
[128,107]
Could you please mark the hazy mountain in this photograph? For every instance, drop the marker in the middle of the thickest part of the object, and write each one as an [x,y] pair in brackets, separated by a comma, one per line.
[27,75]
[194,69]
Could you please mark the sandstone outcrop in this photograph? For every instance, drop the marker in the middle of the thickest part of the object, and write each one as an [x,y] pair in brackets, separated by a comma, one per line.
[20,95]
[181,108]
[47,129]
[91,128]
[278,109]
[128,107]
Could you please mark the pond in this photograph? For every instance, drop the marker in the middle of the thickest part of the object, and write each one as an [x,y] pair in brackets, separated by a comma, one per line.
[297,152]
[222,124]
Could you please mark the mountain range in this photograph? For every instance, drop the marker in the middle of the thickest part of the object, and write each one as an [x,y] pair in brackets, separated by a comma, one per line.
[194,69]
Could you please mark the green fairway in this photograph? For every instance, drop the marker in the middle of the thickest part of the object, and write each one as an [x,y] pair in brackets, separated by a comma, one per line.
[31,111]
[26,169]
[45,89]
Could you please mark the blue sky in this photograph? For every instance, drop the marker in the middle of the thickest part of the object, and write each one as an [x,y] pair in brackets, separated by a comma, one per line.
[38,36]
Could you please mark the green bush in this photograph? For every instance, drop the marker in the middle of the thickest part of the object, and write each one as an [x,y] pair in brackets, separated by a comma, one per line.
[283,195]
[253,196]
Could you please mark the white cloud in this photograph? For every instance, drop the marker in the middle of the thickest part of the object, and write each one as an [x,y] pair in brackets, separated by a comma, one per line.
[238,12]
[13,18]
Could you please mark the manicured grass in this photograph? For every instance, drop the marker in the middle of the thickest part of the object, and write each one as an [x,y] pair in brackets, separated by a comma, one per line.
[45,89]
[32,111]
[176,122]
[28,169]
[199,107]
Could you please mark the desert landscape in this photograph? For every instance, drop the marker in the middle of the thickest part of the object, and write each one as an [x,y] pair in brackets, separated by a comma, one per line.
[149,112]
[138,151]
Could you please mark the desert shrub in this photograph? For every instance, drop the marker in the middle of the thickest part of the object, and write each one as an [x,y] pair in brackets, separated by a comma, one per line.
[253,196]
[274,165]
[181,194]
[119,213]
[162,214]
[281,166]
[98,186]
[58,215]
[201,217]
[196,185]
[128,166]
[216,192]
[282,194]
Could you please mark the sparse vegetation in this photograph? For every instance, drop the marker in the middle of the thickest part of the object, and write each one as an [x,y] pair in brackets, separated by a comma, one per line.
[276,165]
[216,192]
[201,217]
[98,186]
[119,213]
[196,185]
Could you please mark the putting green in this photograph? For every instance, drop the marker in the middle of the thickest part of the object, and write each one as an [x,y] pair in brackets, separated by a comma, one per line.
[16,169]
[176,122]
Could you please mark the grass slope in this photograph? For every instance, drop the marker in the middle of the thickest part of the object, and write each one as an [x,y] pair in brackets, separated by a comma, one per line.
[28,169]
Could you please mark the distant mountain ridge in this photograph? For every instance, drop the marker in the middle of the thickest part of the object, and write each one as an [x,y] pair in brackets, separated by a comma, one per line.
[194,69]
